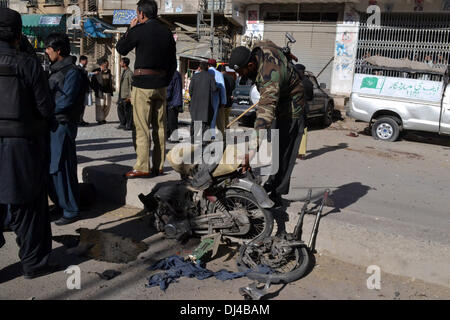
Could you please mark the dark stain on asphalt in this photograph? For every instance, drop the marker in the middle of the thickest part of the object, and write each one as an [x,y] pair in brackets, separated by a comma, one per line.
[390,154]
[103,246]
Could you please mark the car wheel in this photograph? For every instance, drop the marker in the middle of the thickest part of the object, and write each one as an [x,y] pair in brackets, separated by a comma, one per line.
[386,129]
[328,116]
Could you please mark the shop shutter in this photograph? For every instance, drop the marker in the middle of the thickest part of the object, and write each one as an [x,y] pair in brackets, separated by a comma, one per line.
[314,47]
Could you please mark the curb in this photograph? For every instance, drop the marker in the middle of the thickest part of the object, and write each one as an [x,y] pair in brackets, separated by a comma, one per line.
[395,247]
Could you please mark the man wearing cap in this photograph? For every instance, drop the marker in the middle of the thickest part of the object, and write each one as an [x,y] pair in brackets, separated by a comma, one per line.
[219,98]
[281,106]
[153,70]
[25,115]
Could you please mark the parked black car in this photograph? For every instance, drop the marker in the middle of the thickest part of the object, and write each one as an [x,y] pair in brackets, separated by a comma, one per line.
[241,102]
[321,108]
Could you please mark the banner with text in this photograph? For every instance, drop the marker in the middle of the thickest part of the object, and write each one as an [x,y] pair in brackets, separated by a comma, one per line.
[398,87]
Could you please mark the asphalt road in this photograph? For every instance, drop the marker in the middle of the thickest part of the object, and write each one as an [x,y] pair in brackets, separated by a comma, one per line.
[329,279]
[406,181]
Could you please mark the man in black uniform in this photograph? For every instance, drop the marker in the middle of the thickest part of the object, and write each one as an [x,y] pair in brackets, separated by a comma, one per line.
[24,149]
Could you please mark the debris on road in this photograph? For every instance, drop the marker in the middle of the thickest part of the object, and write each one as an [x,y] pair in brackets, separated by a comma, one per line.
[68,240]
[252,292]
[109,274]
[208,243]
[177,267]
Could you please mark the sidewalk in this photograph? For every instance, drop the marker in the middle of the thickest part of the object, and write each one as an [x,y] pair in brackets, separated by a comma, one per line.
[105,154]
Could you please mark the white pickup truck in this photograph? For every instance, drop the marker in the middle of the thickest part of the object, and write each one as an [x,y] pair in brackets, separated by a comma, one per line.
[392,104]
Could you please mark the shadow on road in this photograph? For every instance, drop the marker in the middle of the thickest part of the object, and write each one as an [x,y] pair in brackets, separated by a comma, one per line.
[102,140]
[347,194]
[104,146]
[318,152]
[10,272]
[418,136]
[427,137]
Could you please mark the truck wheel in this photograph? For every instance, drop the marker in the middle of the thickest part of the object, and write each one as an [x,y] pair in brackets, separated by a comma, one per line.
[328,116]
[386,129]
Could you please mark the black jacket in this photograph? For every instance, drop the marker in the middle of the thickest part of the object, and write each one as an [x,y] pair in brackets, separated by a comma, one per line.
[25,160]
[155,49]
[201,90]
[97,83]
[66,85]
[230,85]
[34,103]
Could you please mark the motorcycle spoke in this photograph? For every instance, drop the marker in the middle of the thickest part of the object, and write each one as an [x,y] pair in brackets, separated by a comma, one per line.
[247,207]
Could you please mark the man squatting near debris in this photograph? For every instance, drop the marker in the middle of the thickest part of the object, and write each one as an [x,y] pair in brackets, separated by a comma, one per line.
[281,106]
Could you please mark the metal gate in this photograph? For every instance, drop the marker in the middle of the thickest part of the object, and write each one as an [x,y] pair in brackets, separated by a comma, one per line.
[416,36]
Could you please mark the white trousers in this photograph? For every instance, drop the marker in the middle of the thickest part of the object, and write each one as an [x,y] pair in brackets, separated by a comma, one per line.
[102,106]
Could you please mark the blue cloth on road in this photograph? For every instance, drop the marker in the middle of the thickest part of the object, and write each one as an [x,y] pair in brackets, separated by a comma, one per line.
[177,267]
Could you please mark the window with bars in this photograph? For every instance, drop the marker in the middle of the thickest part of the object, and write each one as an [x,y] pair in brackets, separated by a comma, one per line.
[301,12]
[54,2]
[418,37]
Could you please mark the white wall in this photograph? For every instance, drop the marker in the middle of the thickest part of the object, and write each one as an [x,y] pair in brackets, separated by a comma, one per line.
[406,5]
[345,53]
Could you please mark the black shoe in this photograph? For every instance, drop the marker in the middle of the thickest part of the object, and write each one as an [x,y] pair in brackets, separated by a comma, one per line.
[121,127]
[48,269]
[83,124]
[277,199]
[127,129]
[101,122]
[63,221]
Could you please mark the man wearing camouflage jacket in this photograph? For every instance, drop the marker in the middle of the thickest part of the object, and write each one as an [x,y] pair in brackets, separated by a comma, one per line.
[281,106]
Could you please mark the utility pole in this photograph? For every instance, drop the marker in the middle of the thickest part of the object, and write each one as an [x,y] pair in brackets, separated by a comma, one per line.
[212,29]
[82,9]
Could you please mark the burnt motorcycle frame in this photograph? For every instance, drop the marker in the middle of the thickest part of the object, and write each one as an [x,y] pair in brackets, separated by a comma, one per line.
[204,221]
[284,244]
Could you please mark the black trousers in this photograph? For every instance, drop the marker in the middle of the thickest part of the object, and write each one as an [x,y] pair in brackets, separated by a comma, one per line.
[172,120]
[125,113]
[290,137]
[31,223]
[196,135]
[82,114]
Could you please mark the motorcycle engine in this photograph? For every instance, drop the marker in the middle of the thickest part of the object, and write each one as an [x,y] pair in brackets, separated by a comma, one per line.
[177,229]
[175,203]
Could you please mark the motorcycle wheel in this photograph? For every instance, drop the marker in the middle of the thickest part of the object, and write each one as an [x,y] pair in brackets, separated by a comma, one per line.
[261,220]
[297,266]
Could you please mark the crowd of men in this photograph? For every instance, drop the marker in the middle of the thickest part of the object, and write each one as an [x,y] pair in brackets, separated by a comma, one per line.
[40,117]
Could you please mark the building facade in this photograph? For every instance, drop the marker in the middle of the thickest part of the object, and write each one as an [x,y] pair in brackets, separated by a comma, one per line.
[333,36]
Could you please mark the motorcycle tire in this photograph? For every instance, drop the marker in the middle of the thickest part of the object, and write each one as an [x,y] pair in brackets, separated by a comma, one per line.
[277,278]
[247,196]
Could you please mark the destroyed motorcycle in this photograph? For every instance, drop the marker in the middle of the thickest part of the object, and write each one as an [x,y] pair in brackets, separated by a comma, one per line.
[285,254]
[210,199]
